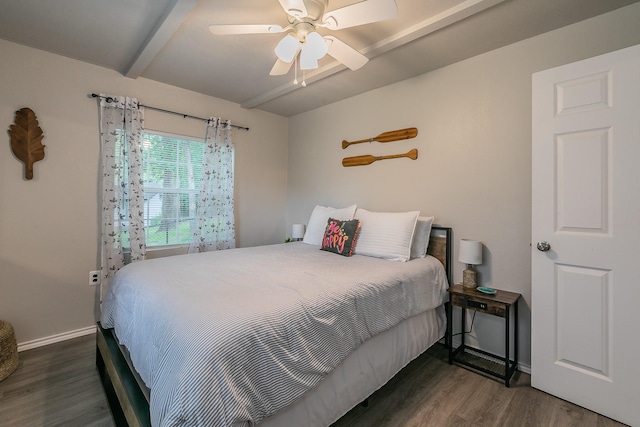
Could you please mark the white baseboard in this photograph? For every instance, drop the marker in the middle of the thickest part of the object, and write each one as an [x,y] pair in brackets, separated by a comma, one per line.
[524,368]
[41,342]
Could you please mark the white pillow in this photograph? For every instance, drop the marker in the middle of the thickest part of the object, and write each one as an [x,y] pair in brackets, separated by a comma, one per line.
[318,222]
[386,235]
[421,236]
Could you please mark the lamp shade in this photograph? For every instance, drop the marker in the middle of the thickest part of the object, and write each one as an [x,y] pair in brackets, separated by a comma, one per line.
[314,48]
[288,48]
[470,252]
[297,231]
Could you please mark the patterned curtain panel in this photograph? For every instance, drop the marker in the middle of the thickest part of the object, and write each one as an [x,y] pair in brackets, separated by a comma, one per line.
[123,239]
[215,224]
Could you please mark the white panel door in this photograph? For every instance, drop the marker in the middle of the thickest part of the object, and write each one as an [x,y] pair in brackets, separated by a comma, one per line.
[586,206]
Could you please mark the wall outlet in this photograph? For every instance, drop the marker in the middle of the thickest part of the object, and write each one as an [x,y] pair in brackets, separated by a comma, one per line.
[94,278]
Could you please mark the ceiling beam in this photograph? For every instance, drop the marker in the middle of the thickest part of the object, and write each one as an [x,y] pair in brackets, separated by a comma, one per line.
[171,19]
[448,17]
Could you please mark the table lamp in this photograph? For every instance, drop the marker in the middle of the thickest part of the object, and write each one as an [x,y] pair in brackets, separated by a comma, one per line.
[297,232]
[471,254]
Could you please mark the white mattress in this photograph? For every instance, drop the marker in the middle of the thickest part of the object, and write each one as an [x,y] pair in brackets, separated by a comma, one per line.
[231,337]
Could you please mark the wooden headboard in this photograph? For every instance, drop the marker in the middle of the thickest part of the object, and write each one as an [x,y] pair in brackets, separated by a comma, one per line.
[440,247]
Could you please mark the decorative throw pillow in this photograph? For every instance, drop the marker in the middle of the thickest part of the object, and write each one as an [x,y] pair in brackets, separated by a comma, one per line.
[340,236]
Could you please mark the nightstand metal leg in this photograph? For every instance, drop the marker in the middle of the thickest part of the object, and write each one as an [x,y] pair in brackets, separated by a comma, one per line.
[515,335]
[449,341]
[463,326]
[506,351]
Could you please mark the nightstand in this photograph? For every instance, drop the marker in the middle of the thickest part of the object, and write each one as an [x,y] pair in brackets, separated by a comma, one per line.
[498,304]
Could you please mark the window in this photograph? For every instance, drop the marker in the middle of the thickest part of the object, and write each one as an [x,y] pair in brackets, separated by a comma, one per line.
[172,167]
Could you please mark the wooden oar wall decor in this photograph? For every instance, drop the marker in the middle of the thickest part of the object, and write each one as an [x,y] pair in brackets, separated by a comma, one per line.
[368,159]
[394,135]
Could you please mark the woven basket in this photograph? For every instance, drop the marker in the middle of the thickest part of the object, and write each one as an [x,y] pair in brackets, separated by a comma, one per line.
[8,350]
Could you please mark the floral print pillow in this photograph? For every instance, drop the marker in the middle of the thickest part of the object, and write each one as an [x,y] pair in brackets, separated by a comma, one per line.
[340,236]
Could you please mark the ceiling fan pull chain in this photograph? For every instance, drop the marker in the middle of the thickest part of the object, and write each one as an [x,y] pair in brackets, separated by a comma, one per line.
[295,71]
[304,81]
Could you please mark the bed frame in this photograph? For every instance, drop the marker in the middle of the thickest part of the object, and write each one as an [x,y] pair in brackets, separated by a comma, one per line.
[128,396]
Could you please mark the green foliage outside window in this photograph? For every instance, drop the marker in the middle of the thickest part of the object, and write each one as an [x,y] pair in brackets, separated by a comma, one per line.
[172,170]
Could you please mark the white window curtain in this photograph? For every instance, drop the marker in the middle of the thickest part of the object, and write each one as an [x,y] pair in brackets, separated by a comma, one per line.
[215,223]
[121,123]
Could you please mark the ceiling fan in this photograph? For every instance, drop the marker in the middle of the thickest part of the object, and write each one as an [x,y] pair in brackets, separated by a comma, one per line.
[305,17]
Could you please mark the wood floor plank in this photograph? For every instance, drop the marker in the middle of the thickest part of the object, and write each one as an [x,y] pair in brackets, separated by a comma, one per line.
[455,396]
[487,403]
[58,385]
[530,407]
[568,414]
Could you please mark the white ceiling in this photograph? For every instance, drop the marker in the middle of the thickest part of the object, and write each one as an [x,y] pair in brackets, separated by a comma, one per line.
[169,41]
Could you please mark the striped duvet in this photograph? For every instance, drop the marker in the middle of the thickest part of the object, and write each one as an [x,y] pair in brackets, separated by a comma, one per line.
[227,338]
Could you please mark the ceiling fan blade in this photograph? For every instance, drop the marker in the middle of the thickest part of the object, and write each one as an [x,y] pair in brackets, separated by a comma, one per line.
[365,12]
[345,53]
[295,8]
[280,68]
[224,30]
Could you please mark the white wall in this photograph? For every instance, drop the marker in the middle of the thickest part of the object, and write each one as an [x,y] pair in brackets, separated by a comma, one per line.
[49,230]
[474,167]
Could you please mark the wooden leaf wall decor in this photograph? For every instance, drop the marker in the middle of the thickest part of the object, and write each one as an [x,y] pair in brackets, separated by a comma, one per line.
[26,140]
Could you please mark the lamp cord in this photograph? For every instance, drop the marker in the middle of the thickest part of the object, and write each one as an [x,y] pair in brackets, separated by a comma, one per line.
[473,318]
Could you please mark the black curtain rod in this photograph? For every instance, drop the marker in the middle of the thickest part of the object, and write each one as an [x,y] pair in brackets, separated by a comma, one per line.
[109,99]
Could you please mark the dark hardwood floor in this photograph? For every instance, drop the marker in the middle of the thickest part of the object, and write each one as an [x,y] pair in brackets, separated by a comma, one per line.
[58,385]
[430,392]
[55,385]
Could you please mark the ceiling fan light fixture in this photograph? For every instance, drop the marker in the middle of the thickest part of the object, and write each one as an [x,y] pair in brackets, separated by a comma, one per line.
[315,45]
[313,49]
[287,49]
[307,62]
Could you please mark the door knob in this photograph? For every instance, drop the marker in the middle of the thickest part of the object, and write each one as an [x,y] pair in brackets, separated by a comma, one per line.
[543,246]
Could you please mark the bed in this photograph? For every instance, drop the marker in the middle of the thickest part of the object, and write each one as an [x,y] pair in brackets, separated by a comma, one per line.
[279,368]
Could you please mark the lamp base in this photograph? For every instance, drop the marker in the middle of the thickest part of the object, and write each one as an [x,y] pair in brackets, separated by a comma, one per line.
[469,278]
